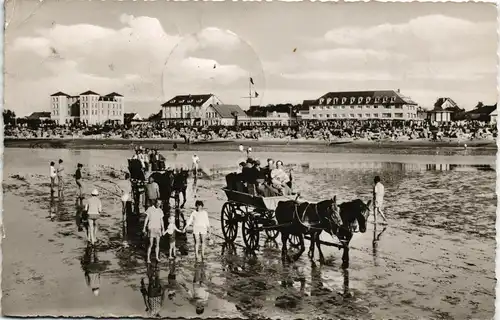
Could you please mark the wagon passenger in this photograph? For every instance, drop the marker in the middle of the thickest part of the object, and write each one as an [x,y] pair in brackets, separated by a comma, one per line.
[280,179]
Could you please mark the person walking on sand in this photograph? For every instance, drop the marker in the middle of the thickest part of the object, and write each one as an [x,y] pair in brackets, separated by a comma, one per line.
[196,165]
[171,230]
[126,190]
[53,175]
[155,227]
[78,179]
[152,192]
[378,199]
[201,227]
[60,176]
[93,208]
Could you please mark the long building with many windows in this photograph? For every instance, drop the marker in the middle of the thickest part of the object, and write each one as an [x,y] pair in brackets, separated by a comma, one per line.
[388,104]
[88,107]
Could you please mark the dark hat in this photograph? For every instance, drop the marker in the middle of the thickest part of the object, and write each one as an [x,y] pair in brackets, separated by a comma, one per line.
[242,164]
[257,162]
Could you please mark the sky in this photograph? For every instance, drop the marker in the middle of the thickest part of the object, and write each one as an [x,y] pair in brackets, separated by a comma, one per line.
[151,51]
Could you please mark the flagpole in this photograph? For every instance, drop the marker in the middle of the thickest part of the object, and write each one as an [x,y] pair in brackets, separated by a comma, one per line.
[250,91]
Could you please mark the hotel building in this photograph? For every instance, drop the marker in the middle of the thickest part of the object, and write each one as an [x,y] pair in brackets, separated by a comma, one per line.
[362,105]
[88,107]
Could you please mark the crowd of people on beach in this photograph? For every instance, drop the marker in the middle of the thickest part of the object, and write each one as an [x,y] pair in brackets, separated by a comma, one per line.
[305,130]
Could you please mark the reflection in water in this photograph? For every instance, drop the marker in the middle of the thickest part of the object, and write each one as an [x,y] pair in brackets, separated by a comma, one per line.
[376,239]
[53,206]
[198,294]
[395,166]
[92,269]
[153,293]
[79,217]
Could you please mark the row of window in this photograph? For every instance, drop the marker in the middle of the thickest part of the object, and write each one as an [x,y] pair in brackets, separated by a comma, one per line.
[358,100]
[95,112]
[365,115]
[397,107]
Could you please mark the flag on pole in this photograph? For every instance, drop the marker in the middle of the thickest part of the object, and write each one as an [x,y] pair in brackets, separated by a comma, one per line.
[256,94]
[251,80]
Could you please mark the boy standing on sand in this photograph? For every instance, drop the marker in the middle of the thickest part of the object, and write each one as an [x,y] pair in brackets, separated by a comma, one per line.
[378,199]
[53,175]
[154,224]
[78,179]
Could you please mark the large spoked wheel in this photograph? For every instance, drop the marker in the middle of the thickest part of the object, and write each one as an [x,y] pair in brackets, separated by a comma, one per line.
[229,222]
[294,241]
[250,232]
[271,233]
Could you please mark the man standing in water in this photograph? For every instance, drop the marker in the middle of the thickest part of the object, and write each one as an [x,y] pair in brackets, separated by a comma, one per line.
[378,199]
[93,209]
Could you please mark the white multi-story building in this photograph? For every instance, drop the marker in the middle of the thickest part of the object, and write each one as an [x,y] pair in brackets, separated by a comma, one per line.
[362,105]
[88,107]
[190,109]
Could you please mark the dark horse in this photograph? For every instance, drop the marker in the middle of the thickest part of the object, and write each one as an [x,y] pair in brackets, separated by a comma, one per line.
[312,218]
[165,183]
[179,186]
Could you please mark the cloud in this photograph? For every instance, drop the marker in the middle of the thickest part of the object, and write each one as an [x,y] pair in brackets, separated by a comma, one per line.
[330,75]
[131,58]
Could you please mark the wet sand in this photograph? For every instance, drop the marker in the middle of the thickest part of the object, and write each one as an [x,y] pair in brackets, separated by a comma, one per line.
[435,260]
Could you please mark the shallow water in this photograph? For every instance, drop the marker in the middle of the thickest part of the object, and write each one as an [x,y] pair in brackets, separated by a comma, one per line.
[436,260]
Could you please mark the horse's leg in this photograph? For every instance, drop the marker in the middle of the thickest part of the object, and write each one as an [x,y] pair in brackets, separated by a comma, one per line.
[183,197]
[284,241]
[318,245]
[302,247]
[312,234]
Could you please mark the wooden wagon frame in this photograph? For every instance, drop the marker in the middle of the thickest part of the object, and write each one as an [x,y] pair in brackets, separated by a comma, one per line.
[256,214]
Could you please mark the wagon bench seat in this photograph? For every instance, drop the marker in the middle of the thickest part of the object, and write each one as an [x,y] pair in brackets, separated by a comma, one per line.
[267,203]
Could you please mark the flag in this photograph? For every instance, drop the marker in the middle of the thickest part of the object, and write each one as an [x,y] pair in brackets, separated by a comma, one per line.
[214,66]
[256,94]
[251,80]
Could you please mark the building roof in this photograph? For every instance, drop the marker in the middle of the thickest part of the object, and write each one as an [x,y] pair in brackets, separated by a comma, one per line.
[484,110]
[400,98]
[113,94]
[306,104]
[38,115]
[438,106]
[110,97]
[87,93]
[227,110]
[191,99]
[57,94]
[127,117]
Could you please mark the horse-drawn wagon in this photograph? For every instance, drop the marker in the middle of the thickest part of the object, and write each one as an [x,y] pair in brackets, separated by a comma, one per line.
[294,218]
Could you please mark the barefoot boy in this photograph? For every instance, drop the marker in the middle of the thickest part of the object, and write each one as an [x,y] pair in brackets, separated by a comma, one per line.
[154,223]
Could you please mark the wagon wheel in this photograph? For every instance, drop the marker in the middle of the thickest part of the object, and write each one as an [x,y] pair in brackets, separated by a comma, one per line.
[229,223]
[294,241]
[271,233]
[250,231]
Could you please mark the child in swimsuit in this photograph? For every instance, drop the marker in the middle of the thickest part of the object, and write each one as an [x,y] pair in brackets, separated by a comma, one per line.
[171,230]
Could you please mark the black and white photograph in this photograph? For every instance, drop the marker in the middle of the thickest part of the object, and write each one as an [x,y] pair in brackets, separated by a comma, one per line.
[249,160]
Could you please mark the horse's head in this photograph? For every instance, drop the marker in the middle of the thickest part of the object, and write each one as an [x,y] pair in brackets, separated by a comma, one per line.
[363,214]
[331,209]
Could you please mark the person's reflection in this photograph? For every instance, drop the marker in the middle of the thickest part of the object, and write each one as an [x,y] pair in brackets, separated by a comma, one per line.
[376,239]
[198,294]
[52,206]
[92,269]
[153,293]
[173,285]
[79,213]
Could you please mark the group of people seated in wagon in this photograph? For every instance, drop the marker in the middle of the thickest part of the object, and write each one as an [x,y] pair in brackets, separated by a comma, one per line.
[270,181]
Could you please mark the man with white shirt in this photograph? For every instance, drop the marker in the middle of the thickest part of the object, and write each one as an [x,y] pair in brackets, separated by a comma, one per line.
[196,165]
[378,199]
